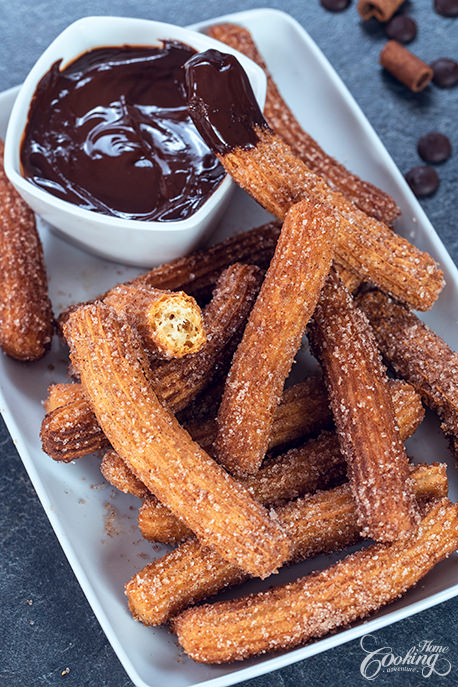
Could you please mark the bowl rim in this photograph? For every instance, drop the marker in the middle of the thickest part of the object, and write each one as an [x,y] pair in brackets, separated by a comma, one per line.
[22,103]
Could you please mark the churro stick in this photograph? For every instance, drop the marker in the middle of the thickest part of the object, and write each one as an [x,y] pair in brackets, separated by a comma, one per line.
[291,614]
[319,523]
[360,399]
[273,335]
[117,472]
[115,375]
[226,114]
[318,464]
[367,197]
[197,274]
[418,354]
[169,322]
[26,320]
[71,431]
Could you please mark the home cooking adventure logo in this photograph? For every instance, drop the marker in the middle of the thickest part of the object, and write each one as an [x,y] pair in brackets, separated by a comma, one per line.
[425,657]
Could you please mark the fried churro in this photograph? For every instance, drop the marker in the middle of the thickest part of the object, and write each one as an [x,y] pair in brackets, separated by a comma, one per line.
[416,353]
[116,378]
[228,118]
[317,464]
[291,614]
[273,335]
[71,431]
[360,399]
[319,523]
[60,394]
[26,319]
[169,322]
[367,197]
[117,472]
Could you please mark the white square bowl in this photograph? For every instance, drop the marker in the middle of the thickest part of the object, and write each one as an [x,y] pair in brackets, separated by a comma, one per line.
[132,242]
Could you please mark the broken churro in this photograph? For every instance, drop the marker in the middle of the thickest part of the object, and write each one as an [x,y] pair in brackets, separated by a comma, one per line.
[416,353]
[26,319]
[272,336]
[319,523]
[115,375]
[168,322]
[289,615]
[231,123]
[364,195]
[360,399]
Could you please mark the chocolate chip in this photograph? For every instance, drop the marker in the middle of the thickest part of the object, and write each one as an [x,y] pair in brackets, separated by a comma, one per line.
[335,5]
[401,28]
[434,147]
[445,72]
[422,180]
[448,8]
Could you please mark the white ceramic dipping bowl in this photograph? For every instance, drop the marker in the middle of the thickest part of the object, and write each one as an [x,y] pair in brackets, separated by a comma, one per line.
[133,242]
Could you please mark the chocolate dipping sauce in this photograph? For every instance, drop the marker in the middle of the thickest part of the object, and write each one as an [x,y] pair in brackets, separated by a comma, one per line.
[111,133]
[221,101]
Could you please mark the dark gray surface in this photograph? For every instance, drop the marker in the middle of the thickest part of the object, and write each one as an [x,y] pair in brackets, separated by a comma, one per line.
[58,629]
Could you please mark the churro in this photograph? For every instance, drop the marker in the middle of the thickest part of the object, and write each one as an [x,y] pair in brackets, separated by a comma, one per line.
[116,378]
[289,615]
[71,431]
[116,471]
[231,123]
[273,335]
[360,399]
[319,523]
[418,354]
[26,319]
[60,394]
[168,322]
[367,197]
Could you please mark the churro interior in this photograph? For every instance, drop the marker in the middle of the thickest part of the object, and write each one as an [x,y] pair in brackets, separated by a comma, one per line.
[176,324]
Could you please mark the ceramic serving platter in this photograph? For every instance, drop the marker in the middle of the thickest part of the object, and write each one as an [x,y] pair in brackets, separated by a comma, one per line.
[97,526]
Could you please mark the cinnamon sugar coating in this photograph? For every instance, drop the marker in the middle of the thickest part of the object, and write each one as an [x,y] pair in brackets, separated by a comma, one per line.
[169,323]
[276,178]
[319,523]
[287,616]
[60,394]
[318,464]
[360,399]
[418,354]
[116,471]
[273,335]
[365,196]
[26,319]
[116,378]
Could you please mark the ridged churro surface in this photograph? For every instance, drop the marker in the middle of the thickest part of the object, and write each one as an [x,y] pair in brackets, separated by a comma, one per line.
[286,616]
[272,336]
[115,376]
[319,523]
[26,319]
[360,399]
[364,195]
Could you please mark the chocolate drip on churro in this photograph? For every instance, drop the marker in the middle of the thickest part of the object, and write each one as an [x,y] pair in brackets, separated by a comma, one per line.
[221,102]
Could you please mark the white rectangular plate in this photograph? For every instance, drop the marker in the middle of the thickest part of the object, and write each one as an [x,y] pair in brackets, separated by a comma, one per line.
[97,526]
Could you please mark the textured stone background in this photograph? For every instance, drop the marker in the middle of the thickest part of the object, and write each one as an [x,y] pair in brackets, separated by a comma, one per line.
[38,641]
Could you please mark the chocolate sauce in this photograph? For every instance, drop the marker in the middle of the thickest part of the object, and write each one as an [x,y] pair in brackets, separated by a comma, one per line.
[221,101]
[111,132]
